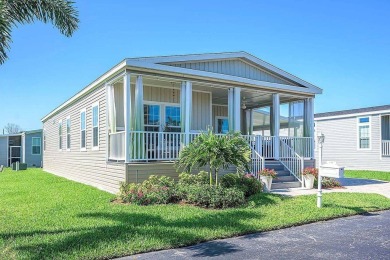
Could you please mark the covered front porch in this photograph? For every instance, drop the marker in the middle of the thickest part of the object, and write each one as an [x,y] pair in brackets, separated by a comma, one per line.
[152,118]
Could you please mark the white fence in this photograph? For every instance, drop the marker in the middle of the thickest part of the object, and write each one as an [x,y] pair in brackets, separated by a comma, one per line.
[165,146]
[385,147]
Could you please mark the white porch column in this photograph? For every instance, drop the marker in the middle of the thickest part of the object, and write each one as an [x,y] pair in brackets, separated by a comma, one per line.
[127,114]
[249,121]
[275,122]
[231,109]
[139,105]
[186,109]
[237,109]
[308,122]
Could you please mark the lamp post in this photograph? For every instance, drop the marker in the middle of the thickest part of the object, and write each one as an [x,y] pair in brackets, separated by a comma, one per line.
[320,139]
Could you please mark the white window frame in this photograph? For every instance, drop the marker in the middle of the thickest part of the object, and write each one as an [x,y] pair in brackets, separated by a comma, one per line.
[68,137]
[60,140]
[162,106]
[40,145]
[358,124]
[216,122]
[96,104]
[85,130]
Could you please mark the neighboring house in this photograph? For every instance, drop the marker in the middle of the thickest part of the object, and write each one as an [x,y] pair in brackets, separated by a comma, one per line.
[134,119]
[357,138]
[23,147]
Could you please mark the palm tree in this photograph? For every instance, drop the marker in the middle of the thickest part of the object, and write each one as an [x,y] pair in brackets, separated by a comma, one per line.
[219,152]
[61,13]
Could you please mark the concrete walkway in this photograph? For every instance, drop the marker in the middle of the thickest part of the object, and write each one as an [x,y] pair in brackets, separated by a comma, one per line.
[350,185]
[358,237]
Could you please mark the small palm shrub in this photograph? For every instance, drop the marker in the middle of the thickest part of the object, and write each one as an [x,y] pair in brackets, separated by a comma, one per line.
[247,183]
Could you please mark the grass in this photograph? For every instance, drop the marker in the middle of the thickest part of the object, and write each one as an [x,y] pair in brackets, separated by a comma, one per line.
[45,216]
[374,175]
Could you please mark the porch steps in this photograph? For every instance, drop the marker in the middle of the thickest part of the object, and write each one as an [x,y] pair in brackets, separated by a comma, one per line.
[284,179]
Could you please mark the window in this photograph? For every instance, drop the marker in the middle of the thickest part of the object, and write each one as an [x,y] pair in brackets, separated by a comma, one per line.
[60,135]
[364,133]
[68,133]
[152,118]
[36,145]
[172,119]
[95,125]
[221,125]
[82,130]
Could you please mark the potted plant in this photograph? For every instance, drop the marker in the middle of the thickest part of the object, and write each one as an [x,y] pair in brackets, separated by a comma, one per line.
[309,174]
[266,176]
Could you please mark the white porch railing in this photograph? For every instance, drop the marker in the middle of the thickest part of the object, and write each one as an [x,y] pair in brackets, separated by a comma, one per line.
[291,160]
[117,146]
[303,146]
[385,147]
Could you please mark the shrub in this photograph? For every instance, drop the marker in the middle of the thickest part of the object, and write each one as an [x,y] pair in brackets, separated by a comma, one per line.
[190,179]
[246,183]
[154,190]
[214,196]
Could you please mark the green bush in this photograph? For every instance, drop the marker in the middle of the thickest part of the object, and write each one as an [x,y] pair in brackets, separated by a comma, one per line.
[246,183]
[327,182]
[216,197]
[190,179]
[154,190]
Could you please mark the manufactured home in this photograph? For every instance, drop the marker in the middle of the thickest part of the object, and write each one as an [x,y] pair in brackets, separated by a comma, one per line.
[357,139]
[133,120]
[24,147]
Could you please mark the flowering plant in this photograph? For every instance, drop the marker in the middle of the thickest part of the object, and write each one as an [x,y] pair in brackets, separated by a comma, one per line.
[310,170]
[268,172]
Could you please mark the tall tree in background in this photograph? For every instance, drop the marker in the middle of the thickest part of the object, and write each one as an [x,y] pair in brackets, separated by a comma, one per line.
[61,13]
[12,128]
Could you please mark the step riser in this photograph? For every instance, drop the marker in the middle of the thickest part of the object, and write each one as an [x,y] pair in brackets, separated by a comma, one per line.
[285,185]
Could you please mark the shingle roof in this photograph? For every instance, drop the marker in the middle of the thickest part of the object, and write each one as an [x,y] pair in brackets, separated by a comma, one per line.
[353,111]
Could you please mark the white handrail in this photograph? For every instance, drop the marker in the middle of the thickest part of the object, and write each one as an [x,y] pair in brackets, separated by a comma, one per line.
[291,160]
[257,163]
[385,147]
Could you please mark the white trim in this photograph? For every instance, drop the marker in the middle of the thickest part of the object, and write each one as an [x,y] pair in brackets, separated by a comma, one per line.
[60,140]
[40,145]
[96,104]
[358,124]
[84,110]
[223,56]
[363,114]
[66,133]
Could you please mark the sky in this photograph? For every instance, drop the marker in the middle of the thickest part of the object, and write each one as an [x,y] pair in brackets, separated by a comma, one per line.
[340,46]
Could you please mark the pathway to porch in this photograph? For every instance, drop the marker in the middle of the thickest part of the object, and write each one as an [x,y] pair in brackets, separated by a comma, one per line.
[349,184]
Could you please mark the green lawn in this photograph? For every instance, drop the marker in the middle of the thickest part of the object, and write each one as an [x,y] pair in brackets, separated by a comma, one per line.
[374,175]
[44,216]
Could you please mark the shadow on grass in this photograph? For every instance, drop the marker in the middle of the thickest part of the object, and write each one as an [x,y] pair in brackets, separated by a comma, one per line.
[155,231]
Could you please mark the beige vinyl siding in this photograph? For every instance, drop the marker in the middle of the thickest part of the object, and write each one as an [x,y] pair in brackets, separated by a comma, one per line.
[165,95]
[89,167]
[341,144]
[3,150]
[201,110]
[233,67]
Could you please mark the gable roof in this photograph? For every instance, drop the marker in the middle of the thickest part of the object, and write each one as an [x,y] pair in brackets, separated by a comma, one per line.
[365,110]
[241,55]
[164,65]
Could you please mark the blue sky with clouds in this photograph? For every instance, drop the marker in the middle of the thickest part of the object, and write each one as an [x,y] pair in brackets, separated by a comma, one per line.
[340,46]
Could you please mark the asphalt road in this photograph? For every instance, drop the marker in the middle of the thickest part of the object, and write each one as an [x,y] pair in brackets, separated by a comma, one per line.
[358,237]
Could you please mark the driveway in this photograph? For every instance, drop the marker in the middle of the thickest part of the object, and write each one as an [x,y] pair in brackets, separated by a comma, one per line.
[349,184]
[358,237]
